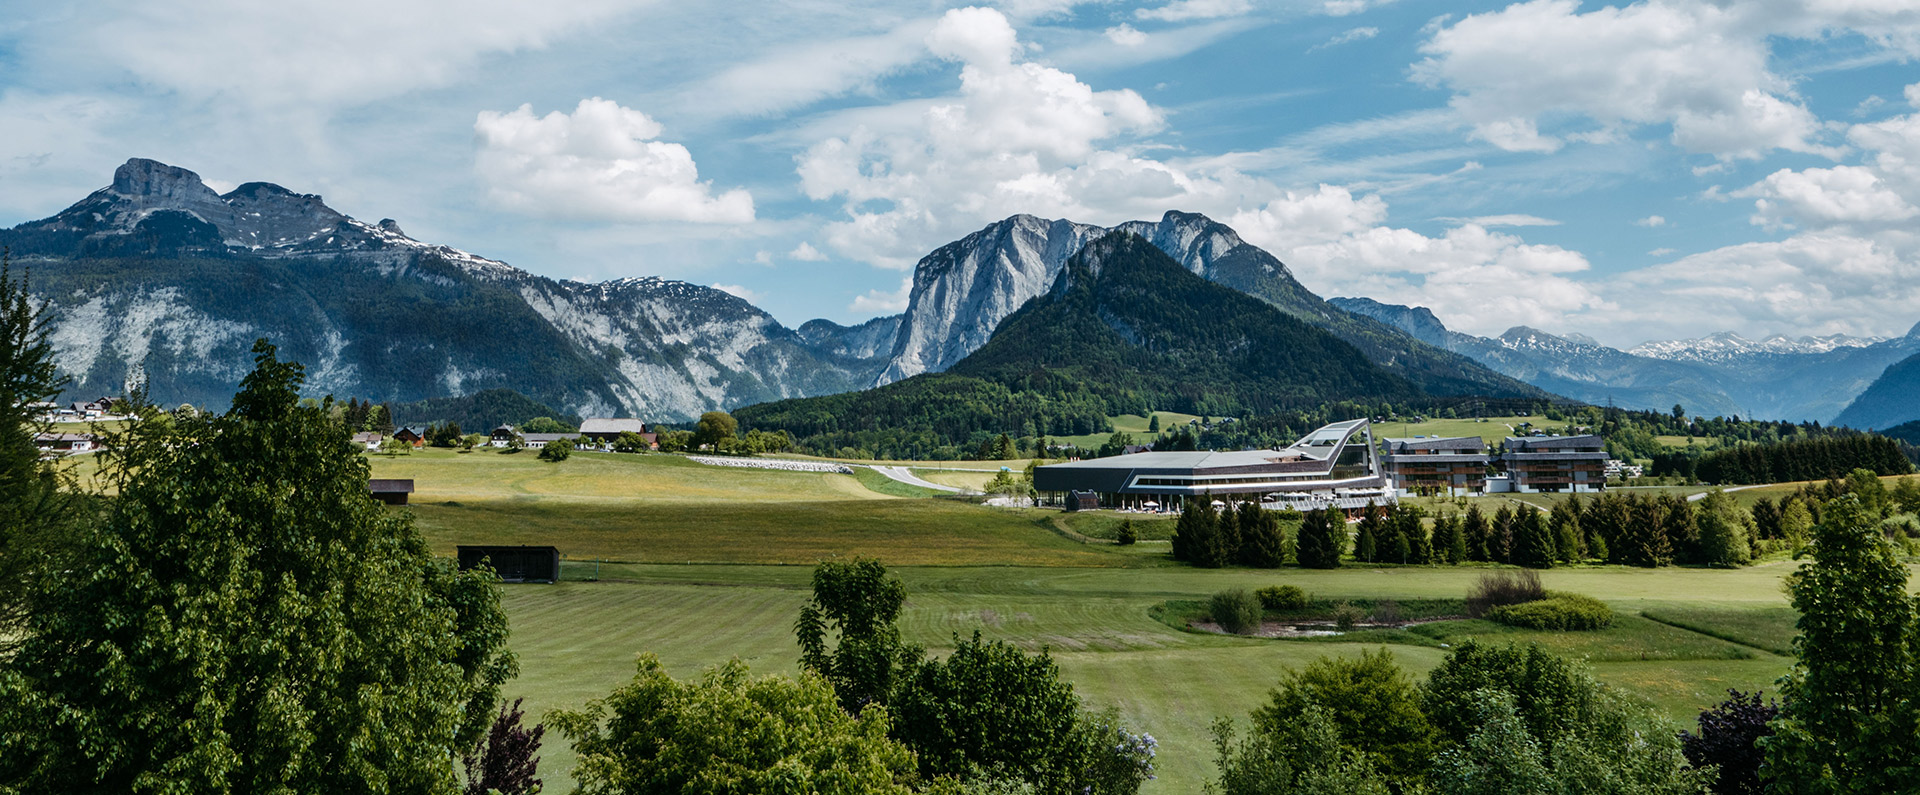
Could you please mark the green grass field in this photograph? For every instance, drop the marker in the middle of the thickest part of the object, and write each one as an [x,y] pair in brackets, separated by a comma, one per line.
[687,582]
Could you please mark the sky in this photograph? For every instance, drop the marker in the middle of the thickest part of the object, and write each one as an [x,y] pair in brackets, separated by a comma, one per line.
[1653,170]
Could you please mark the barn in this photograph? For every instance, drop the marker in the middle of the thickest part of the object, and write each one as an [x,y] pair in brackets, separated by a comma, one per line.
[514,564]
[390,491]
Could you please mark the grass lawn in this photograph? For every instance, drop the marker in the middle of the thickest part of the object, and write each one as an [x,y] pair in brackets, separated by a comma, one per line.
[577,640]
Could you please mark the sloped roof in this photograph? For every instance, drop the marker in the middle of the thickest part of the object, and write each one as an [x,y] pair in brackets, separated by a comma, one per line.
[612,426]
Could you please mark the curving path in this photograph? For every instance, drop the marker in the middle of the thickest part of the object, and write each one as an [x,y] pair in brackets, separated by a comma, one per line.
[903,475]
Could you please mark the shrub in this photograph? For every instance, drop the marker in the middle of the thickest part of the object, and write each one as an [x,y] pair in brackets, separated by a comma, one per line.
[1729,739]
[556,450]
[1345,615]
[1282,597]
[1126,536]
[1560,611]
[1386,611]
[1235,610]
[1504,588]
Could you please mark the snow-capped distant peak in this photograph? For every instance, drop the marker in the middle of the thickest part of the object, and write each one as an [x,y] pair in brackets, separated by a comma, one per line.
[1727,345]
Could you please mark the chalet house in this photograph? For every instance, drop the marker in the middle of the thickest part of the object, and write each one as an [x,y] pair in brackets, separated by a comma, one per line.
[1555,463]
[413,434]
[64,443]
[46,410]
[541,439]
[503,436]
[603,431]
[390,491]
[1454,467]
[368,439]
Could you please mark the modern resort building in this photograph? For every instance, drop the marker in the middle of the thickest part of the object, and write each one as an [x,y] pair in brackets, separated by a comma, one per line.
[1333,467]
[1448,467]
[1555,463]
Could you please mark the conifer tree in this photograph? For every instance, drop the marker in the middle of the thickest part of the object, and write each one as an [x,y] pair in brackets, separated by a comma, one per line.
[1196,535]
[1682,532]
[1366,541]
[1415,531]
[1322,540]
[1567,541]
[1532,543]
[1449,540]
[1226,538]
[1260,542]
[1500,539]
[1475,530]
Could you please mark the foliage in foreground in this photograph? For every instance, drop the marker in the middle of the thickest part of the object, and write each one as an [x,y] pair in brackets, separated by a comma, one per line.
[1562,612]
[1729,741]
[246,618]
[731,733]
[34,511]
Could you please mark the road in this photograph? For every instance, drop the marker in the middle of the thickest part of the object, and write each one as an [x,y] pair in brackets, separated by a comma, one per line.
[903,475]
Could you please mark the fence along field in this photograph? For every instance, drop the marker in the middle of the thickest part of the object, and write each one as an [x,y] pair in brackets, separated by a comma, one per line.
[1003,572]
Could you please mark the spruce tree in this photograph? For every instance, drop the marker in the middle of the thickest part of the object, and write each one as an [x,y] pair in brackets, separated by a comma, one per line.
[1366,541]
[1532,543]
[1196,535]
[1680,528]
[35,511]
[1407,518]
[1260,542]
[1450,541]
[1226,538]
[1322,540]
[1500,536]
[1567,541]
[1476,531]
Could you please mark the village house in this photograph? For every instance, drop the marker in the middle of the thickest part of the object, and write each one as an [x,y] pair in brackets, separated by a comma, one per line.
[541,439]
[503,436]
[603,431]
[415,435]
[368,439]
[64,443]
[392,491]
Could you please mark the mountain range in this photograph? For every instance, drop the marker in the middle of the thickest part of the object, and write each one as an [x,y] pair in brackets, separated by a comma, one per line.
[1810,379]
[160,274]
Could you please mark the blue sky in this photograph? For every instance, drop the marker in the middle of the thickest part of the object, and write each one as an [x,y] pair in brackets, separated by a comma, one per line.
[1637,171]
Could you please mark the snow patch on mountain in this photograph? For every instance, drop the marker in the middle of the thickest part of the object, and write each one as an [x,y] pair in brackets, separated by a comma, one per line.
[1726,345]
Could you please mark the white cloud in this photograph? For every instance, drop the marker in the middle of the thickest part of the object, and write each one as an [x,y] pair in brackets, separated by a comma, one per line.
[1699,67]
[1126,36]
[1296,219]
[1342,8]
[798,75]
[1651,221]
[1825,198]
[1661,252]
[303,55]
[876,302]
[1347,37]
[1019,137]
[1183,10]
[805,252]
[1512,219]
[600,162]
[739,292]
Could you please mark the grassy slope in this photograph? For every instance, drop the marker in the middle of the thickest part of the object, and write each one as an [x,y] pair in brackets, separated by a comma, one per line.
[577,640]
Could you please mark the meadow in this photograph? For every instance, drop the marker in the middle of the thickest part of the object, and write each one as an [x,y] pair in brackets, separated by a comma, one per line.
[698,564]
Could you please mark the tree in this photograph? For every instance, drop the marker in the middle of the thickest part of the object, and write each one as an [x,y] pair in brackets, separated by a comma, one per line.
[672,441]
[1373,705]
[1153,423]
[1533,545]
[1226,537]
[1564,526]
[714,427]
[1196,534]
[34,509]
[1729,740]
[990,706]
[251,621]
[1476,531]
[1449,541]
[1261,544]
[556,450]
[1412,533]
[1125,536]
[1115,445]
[630,442]
[859,603]
[730,733]
[1796,522]
[1366,539]
[1323,539]
[1725,540]
[1500,536]
[544,425]
[1302,757]
[1848,711]
[505,763]
[1551,694]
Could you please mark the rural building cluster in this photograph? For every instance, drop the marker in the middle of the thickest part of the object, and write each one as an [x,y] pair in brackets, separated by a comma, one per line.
[1339,466]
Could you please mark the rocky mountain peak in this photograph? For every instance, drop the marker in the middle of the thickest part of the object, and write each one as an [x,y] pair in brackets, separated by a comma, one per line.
[140,178]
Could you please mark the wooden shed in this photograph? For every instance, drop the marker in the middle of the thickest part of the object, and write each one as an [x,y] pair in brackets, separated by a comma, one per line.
[514,564]
[391,491]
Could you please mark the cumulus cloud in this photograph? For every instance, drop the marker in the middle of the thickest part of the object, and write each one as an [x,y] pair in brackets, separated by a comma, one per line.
[1126,36]
[1821,198]
[600,162]
[1700,67]
[739,292]
[805,252]
[1300,218]
[879,302]
[1183,10]
[1018,137]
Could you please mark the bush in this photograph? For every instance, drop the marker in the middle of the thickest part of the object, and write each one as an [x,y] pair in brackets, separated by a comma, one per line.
[1282,597]
[1126,536]
[556,450]
[1235,610]
[1504,588]
[1560,611]
[1345,615]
